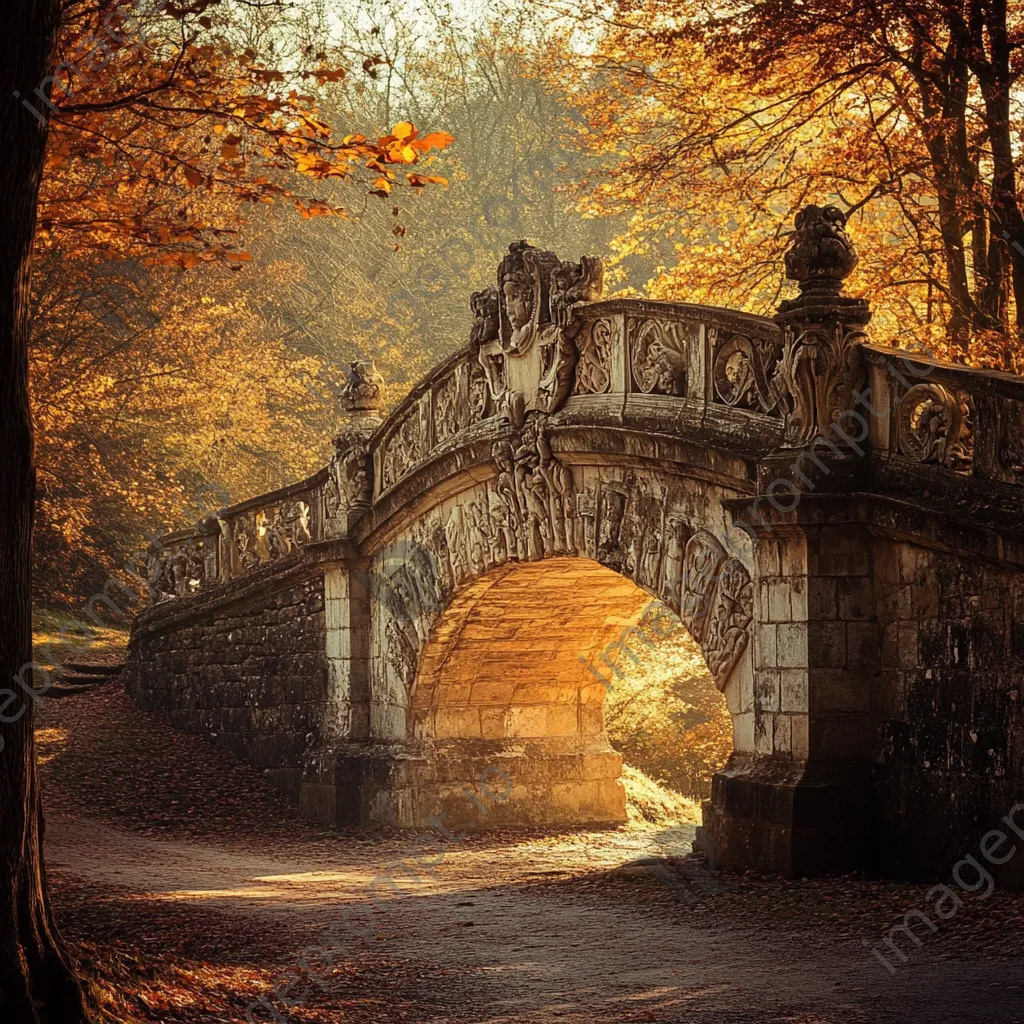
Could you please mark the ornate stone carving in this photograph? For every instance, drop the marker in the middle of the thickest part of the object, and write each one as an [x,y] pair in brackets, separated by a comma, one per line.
[363,390]
[819,371]
[467,543]
[730,619]
[821,254]
[459,400]
[610,511]
[402,449]
[593,368]
[484,305]
[817,378]
[716,603]
[349,481]
[933,424]
[176,570]
[447,414]
[507,508]
[742,372]
[529,364]
[658,356]
[676,535]
[401,654]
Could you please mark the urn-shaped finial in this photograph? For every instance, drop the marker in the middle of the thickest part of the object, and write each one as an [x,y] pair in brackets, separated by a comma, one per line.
[821,254]
[363,390]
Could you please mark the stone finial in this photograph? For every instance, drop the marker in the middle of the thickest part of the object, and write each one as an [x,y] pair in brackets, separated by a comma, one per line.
[819,373]
[821,255]
[363,390]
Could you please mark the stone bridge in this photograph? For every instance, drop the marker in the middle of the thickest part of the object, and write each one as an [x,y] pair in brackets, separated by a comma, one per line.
[424,624]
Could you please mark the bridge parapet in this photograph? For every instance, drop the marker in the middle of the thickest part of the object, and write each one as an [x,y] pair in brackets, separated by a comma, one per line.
[237,540]
[957,418]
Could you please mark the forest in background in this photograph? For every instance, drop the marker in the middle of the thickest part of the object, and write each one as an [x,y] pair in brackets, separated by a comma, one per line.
[205,268]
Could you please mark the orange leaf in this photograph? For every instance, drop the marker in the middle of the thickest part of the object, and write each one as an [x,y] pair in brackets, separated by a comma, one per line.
[434,140]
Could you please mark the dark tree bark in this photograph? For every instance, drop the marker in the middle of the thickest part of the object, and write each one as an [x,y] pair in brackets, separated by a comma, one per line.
[37,982]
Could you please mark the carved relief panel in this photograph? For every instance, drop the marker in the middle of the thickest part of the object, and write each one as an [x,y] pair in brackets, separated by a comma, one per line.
[716,603]
[935,424]
[659,355]
[593,365]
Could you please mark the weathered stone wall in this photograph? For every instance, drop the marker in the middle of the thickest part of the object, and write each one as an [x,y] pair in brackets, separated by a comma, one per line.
[947,700]
[251,677]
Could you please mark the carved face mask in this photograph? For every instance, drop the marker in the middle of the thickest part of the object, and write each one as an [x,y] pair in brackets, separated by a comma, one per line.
[518,302]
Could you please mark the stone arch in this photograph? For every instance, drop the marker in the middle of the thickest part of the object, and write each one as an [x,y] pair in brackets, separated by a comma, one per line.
[661,531]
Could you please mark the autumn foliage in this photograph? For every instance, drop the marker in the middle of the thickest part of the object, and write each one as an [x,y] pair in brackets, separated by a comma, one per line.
[174,131]
[712,123]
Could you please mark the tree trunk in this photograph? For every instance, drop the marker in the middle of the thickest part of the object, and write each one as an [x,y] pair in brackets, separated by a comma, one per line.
[995,79]
[37,982]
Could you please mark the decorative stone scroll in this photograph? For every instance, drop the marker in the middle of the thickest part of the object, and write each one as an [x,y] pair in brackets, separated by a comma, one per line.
[716,603]
[527,344]
[934,424]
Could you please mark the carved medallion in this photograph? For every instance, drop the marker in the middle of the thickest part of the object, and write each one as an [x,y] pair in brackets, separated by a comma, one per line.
[658,356]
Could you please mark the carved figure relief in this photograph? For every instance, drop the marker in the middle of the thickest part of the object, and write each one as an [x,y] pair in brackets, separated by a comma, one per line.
[658,356]
[676,535]
[716,603]
[177,570]
[507,506]
[447,411]
[934,424]
[816,379]
[742,372]
[611,510]
[529,363]
[402,449]
[348,483]
[593,368]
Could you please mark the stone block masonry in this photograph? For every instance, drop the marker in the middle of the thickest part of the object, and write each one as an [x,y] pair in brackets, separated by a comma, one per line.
[252,677]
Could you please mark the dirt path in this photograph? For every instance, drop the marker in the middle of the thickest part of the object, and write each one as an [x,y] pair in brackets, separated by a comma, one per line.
[536,931]
[190,891]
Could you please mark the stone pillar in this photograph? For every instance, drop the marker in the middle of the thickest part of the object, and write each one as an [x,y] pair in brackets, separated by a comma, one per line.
[331,790]
[801,803]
